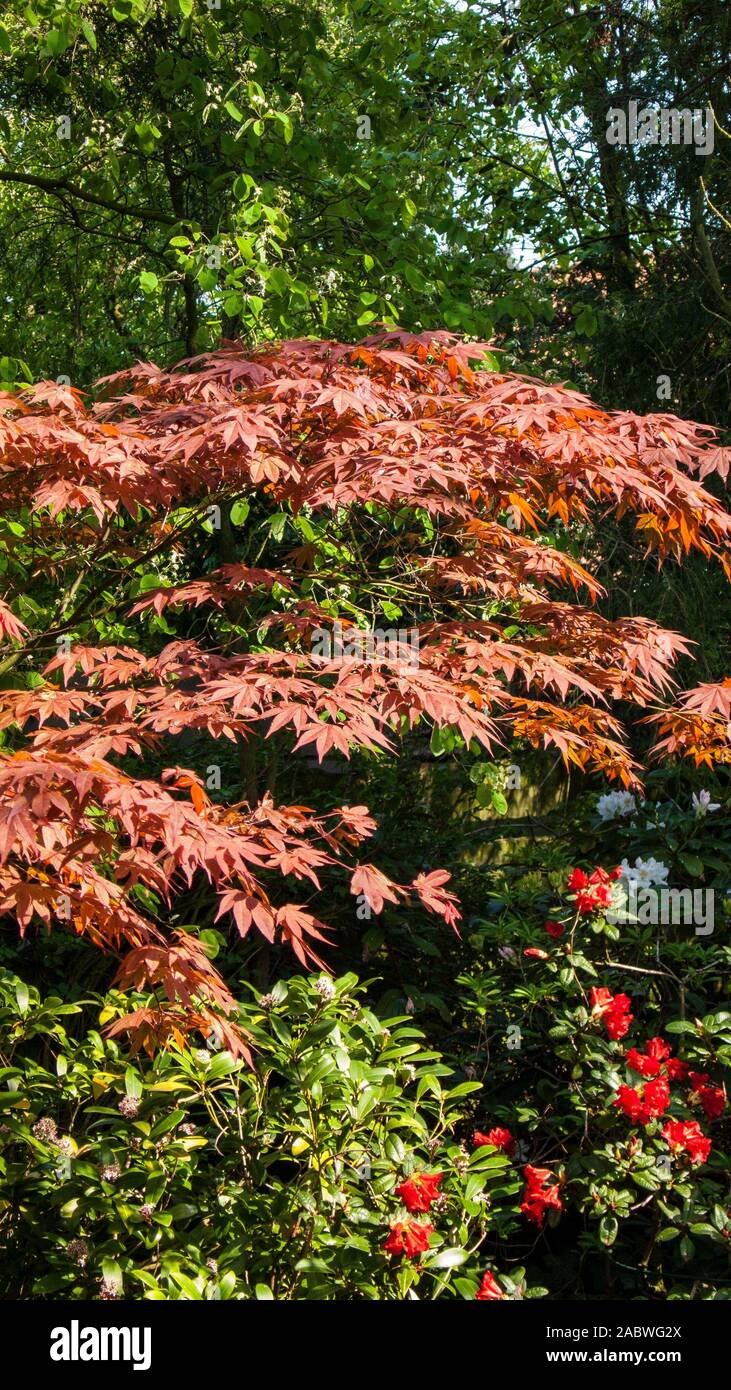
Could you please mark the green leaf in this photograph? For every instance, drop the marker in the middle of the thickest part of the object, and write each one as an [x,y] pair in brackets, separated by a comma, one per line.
[167,1123]
[703,1228]
[11,1098]
[408,211]
[428,1082]
[692,863]
[132,1083]
[149,581]
[148,281]
[185,1284]
[286,123]
[56,42]
[716,1022]
[646,1179]
[608,1228]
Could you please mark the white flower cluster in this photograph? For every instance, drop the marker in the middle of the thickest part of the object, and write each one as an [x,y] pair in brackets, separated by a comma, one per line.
[646,873]
[616,804]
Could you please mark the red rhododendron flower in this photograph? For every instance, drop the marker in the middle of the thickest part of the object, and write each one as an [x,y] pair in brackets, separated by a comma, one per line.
[656,1097]
[601,1000]
[676,1069]
[408,1238]
[535,953]
[489,1288]
[712,1098]
[599,876]
[537,1198]
[419,1191]
[535,1177]
[499,1138]
[713,1101]
[617,1025]
[555,929]
[646,1066]
[586,903]
[616,1014]
[629,1101]
[651,1061]
[645,1105]
[593,892]
[688,1135]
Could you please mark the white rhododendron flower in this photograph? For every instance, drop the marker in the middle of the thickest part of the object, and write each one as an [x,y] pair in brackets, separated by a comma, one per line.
[702,803]
[646,873]
[615,804]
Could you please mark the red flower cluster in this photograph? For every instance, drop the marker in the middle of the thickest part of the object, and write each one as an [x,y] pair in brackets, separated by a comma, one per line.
[498,1138]
[676,1070]
[656,1061]
[592,891]
[408,1238]
[613,1009]
[712,1098]
[652,1100]
[489,1288]
[537,1197]
[687,1135]
[419,1191]
[644,1105]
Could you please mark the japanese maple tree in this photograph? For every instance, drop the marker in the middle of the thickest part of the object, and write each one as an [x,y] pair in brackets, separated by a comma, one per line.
[416,481]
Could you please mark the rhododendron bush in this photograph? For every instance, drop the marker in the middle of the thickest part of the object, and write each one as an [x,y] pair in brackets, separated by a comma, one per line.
[175,729]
